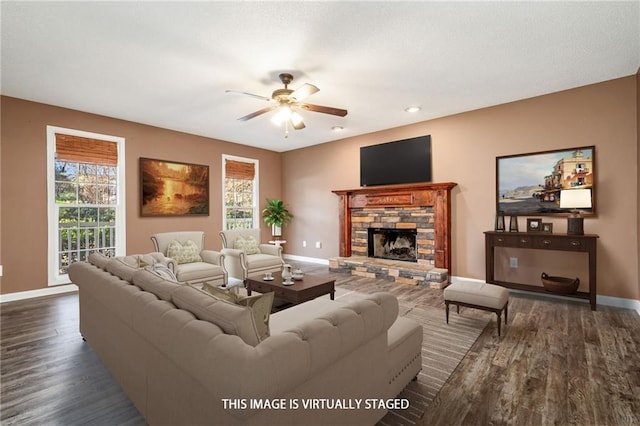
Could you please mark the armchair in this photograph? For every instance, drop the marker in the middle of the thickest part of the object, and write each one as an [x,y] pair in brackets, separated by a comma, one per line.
[242,260]
[187,259]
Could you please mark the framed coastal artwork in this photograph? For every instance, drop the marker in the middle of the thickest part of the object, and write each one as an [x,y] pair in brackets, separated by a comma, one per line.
[530,184]
[169,188]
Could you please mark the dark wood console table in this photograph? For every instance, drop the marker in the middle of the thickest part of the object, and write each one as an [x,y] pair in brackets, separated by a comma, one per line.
[562,242]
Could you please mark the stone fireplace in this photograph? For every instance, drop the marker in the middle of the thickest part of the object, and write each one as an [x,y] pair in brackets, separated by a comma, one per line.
[392,244]
[400,232]
[396,221]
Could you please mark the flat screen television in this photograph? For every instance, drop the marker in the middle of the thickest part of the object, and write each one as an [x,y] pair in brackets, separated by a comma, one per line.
[404,161]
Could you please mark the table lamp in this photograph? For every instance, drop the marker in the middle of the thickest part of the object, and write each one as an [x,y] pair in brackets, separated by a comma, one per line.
[575,199]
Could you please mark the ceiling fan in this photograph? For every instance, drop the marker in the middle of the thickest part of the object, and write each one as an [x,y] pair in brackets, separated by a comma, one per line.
[288,103]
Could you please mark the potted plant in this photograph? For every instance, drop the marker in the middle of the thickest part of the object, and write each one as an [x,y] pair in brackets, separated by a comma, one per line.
[276,215]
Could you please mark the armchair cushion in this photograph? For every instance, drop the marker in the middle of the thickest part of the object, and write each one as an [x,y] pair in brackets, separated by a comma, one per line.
[258,261]
[188,252]
[197,271]
[249,245]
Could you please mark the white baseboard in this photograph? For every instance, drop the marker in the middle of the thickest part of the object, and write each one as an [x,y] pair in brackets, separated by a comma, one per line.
[617,302]
[306,259]
[21,295]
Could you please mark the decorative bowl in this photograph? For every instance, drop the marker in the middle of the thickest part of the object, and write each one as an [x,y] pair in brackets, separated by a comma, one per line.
[297,277]
[560,285]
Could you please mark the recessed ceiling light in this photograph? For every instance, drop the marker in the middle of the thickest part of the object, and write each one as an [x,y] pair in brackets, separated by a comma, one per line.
[413,108]
[337,128]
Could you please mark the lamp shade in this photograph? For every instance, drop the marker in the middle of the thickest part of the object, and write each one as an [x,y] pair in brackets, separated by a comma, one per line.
[575,199]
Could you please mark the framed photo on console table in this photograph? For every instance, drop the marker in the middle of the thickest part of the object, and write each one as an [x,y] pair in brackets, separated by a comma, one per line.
[534,225]
[530,184]
[169,188]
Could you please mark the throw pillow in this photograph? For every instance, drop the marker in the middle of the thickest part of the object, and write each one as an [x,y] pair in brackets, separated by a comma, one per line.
[249,245]
[162,271]
[231,318]
[145,260]
[184,253]
[260,305]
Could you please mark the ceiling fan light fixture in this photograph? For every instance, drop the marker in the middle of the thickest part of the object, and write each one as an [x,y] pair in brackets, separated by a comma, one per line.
[296,118]
[337,128]
[287,104]
[282,115]
[413,108]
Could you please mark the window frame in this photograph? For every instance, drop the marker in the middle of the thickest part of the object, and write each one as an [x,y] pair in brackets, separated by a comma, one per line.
[256,188]
[53,275]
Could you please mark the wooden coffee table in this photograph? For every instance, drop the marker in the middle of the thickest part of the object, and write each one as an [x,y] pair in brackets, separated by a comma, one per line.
[310,287]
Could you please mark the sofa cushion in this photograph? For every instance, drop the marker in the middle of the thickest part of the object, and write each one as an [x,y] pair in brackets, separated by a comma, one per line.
[249,245]
[98,259]
[154,283]
[184,253]
[260,305]
[233,319]
[122,267]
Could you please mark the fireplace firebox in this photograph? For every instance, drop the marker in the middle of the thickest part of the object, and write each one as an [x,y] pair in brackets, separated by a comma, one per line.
[393,244]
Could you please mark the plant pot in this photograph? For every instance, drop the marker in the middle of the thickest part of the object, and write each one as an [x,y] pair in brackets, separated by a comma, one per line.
[560,285]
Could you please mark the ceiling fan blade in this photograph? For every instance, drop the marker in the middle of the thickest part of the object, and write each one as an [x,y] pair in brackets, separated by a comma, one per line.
[248,94]
[298,126]
[324,109]
[303,92]
[257,113]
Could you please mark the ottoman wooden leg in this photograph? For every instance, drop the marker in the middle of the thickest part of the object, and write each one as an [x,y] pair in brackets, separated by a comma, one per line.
[446,304]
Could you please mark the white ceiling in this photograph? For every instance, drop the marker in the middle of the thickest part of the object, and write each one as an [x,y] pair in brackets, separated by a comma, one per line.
[168,64]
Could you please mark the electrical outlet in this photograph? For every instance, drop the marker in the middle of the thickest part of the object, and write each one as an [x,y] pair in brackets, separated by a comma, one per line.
[304,243]
[318,244]
[513,262]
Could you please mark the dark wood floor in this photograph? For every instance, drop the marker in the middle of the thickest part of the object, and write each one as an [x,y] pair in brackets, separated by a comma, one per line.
[558,362]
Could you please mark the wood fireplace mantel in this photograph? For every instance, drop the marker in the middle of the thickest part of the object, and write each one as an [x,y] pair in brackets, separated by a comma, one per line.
[435,195]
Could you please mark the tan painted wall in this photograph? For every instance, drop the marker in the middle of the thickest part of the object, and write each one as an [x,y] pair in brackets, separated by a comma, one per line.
[464,150]
[23,228]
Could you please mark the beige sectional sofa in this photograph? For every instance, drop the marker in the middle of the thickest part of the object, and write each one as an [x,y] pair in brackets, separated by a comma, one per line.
[184,357]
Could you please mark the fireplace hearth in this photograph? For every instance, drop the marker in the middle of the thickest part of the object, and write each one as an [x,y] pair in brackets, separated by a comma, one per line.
[392,244]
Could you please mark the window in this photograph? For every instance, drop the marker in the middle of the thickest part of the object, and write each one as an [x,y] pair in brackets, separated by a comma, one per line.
[240,191]
[86,200]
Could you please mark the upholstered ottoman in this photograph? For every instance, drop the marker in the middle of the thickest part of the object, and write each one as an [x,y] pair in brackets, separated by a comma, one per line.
[487,297]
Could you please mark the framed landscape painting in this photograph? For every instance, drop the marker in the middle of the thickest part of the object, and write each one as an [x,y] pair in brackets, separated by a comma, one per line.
[530,184]
[170,188]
